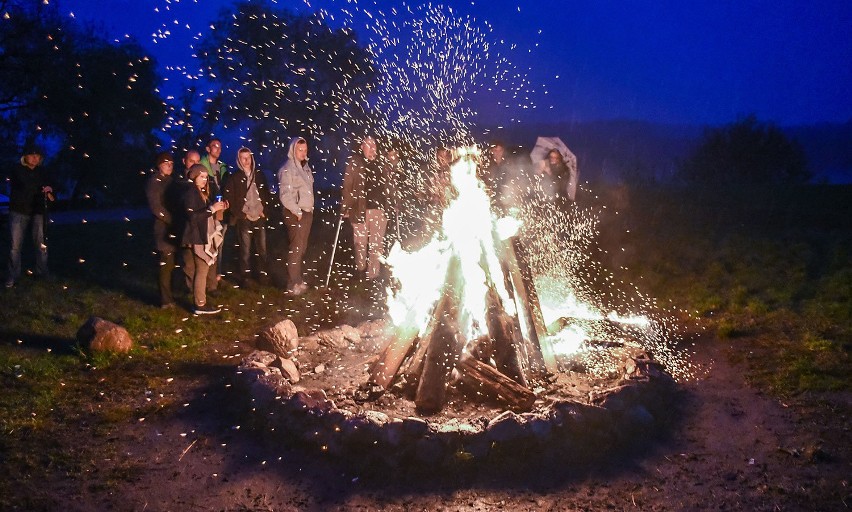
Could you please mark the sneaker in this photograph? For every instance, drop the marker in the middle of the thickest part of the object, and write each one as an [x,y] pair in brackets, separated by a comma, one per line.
[297,289]
[206,309]
[10,283]
[167,305]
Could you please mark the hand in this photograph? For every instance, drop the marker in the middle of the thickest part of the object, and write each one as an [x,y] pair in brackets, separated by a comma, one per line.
[218,206]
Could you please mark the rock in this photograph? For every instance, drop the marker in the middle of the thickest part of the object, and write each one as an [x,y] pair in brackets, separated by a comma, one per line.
[281,339]
[99,335]
[261,357]
[268,387]
[415,427]
[539,426]
[351,334]
[639,417]
[335,338]
[320,368]
[289,369]
[505,427]
[430,451]
[310,343]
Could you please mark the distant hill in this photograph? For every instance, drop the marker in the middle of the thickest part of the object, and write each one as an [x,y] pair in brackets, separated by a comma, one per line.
[638,150]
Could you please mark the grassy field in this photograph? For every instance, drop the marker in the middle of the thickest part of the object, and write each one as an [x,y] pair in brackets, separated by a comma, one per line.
[768,270]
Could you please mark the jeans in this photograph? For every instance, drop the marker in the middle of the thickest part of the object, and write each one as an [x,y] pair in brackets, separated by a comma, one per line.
[167,266]
[369,241]
[17,225]
[246,232]
[297,236]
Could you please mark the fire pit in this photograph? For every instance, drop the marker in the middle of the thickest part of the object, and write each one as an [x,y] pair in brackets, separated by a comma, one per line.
[465,365]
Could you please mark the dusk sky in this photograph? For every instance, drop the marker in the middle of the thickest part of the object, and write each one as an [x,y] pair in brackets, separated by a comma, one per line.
[697,62]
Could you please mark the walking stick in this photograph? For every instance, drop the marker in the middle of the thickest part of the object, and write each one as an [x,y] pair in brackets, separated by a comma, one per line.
[333,250]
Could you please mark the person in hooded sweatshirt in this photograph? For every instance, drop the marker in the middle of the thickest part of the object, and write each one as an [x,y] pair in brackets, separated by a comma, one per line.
[296,190]
[249,199]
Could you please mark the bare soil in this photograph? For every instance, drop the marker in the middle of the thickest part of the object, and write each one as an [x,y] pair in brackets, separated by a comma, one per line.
[735,449]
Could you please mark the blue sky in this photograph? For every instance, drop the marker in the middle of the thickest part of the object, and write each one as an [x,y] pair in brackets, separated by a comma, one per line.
[696,62]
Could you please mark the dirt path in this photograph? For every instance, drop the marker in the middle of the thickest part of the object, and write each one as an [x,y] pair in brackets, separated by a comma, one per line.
[736,450]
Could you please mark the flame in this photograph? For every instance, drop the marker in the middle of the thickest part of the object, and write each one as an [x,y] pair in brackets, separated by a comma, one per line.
[467,231]
[471,234]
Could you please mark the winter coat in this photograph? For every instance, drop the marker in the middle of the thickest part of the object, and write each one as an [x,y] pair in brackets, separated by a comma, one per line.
[25,184]
[236,189]
[196,212]
[158,190]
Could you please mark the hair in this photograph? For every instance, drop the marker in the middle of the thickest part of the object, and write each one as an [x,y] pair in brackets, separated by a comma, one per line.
[212,140]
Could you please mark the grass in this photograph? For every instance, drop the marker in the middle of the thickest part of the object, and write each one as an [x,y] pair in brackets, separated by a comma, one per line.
[768,268]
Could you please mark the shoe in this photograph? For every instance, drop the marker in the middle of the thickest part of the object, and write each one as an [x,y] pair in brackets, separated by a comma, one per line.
[10,283]
[206,309]
[297,289]
[168,305]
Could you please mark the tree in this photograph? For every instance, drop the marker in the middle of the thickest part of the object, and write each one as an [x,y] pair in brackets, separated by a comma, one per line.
[279,73]
[91,102]
[746,151]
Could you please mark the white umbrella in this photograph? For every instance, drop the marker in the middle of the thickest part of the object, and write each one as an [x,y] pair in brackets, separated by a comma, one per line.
[543,146]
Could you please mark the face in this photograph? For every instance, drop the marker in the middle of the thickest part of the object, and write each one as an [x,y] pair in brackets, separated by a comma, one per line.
[245,160]
[498,153]
[201,181]
[32,160]
[191,158]
[393,156]
[166,168]
[554,157]
[368,147]
[301,151]
[214,149]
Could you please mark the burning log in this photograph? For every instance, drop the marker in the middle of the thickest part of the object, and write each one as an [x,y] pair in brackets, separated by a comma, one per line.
[486,381]
[508,350]
[540,353]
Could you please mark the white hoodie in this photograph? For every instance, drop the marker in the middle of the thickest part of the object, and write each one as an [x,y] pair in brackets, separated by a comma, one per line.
[296,183]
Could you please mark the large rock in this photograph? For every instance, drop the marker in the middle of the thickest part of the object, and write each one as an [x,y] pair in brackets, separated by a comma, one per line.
[289,369]
[282,339]
[99,335]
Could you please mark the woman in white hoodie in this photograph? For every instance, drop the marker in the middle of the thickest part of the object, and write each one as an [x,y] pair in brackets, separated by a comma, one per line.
[296,190]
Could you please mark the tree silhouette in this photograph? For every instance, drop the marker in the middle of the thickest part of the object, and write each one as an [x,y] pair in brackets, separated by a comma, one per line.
[280,73]
[94,103]
[746,151]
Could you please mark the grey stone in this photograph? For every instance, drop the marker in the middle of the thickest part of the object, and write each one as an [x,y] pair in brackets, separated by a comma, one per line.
[99,335]
[505,427]
[289,369]
[262,357]
[282,339]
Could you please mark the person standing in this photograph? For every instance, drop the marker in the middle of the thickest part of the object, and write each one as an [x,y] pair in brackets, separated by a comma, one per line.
[248,197]
[296,191]
[201,236]
[367,197]
[28,198]
[217,172]
[159,190]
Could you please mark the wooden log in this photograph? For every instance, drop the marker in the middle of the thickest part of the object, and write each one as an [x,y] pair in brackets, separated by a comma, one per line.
[507,344]
[413,366]
[485,381]
[383,372]
[443,346]
[540,353]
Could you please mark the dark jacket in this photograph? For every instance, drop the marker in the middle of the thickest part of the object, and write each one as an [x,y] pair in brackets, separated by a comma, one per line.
[158,190]
[25,195]
[196,212]
[236,188]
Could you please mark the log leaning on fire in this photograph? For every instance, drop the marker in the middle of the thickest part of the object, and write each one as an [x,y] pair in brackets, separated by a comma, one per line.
[487,382]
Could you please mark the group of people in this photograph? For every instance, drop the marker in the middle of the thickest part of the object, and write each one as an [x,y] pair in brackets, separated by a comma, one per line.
[193,211]
[194,208]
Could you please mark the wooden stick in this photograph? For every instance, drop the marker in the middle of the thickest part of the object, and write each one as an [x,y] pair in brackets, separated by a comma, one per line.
[486,381]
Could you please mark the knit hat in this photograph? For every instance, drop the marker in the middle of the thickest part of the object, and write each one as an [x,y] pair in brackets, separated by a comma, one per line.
[165,156]
[196,171]
[32,149]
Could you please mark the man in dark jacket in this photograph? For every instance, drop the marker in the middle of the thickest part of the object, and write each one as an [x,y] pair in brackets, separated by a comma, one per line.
[160,193]
[29,195]
[247,193]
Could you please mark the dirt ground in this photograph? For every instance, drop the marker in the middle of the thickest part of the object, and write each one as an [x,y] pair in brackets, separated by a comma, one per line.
[736,449]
